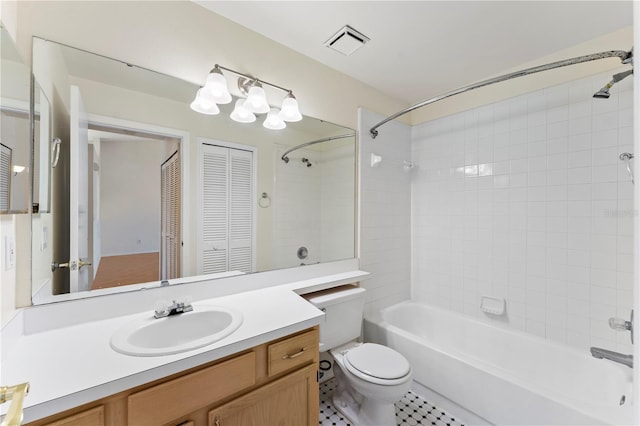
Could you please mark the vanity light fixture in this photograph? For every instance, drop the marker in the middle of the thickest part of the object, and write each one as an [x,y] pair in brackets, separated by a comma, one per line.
[241,114]
[215,91]
[204,103]
[290,111]
[274,121]
[17,169]
[216,85]
[257,99]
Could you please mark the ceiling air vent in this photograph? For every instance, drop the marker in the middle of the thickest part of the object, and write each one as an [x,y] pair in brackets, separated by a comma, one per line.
[347,40]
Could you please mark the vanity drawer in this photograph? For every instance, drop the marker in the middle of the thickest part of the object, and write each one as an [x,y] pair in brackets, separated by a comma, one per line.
[292,352]
[91,417]
[163,403]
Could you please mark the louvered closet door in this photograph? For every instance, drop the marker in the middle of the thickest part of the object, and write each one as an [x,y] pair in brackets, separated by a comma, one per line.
[215,212]
[171,220]
[227,210]
[5,177]
[241,204]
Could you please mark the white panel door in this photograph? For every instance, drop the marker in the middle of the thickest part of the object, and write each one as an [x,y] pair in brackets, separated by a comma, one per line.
[79,195]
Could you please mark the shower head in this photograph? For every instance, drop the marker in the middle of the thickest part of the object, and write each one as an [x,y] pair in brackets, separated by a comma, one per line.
[604,92]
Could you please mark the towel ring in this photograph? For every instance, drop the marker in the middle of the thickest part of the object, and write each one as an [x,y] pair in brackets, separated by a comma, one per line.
[264,201]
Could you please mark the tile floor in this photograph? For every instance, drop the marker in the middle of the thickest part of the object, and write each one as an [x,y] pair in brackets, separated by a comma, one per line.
[411,410]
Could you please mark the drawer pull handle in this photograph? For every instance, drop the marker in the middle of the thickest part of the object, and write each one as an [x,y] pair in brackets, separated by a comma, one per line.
[297,354]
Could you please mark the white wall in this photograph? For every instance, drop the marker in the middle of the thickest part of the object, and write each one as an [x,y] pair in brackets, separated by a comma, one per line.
[526,199]
[130,195]
[385,211]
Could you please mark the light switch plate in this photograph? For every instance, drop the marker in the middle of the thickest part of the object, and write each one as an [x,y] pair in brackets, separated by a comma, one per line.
[9,253]
[44,241]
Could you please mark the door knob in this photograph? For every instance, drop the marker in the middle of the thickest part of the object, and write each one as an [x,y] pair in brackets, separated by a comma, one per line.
[73,265]
[56,265]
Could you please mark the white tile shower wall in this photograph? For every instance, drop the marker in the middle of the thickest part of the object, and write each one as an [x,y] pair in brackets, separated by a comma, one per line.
[296,209]
[385,211]
[337,161]
[527,200]
[305,196]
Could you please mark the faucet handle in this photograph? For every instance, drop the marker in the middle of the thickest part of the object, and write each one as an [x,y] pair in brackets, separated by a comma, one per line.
[184,300]
[620,324]
[162,306]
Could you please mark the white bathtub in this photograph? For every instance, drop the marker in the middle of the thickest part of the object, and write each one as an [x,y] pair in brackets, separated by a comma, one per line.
[504,376]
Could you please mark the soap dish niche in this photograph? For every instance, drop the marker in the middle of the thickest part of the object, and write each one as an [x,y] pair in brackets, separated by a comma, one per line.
[493,305]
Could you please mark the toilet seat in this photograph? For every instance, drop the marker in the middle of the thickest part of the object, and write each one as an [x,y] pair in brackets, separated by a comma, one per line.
[377,364]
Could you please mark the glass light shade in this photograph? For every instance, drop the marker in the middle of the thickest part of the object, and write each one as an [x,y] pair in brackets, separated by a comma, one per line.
[241,114]
[273,120]
[216,85]
[256,101]
[290,111]
[204,104]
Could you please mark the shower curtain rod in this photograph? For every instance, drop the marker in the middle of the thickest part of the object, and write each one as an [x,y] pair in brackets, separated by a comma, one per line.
[625,58]
[286,159]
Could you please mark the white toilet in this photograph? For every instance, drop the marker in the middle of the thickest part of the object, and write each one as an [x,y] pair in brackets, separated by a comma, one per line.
[370,378]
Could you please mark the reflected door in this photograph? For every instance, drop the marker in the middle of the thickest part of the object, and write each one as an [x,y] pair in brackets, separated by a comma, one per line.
[228,201]
[79,265]
[171,196]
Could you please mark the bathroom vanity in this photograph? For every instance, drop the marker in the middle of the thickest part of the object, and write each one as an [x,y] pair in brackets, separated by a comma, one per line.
[273,383]
[265,369]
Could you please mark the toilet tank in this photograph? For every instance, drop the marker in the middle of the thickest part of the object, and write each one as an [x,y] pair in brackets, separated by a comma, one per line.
[343,307]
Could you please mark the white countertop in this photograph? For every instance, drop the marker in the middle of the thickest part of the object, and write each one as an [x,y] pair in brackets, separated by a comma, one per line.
[72,365]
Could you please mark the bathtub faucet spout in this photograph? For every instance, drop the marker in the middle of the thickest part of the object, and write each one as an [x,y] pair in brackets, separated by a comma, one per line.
[612,356]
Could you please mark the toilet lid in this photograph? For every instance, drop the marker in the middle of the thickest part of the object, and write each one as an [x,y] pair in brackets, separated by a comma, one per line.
[378,361]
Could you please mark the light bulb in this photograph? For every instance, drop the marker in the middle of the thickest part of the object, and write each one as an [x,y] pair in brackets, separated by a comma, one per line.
[290,111]
[273,120]
[204,104]
[216,85]
[241,114]
[256,99]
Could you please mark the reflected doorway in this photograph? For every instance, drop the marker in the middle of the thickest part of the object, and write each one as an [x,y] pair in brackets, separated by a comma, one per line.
[136,209]
[128,210]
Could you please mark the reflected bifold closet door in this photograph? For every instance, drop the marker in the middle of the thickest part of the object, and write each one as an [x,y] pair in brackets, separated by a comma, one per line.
[170,218]
[228,196]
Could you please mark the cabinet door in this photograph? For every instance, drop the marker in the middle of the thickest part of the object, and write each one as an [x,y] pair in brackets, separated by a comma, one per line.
[291,400]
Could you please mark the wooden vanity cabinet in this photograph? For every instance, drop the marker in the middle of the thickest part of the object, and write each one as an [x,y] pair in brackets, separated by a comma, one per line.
[271,384]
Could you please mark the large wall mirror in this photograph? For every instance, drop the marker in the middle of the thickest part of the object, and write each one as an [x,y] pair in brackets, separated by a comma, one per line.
[14,128]
[133,186]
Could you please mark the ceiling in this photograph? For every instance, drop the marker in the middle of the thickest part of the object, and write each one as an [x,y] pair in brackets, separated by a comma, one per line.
[420,49]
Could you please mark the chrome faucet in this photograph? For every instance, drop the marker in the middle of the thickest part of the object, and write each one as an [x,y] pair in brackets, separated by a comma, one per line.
[612,356]
[165,309]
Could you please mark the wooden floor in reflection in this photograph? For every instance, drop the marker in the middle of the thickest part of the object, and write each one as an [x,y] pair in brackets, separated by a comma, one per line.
[127,269]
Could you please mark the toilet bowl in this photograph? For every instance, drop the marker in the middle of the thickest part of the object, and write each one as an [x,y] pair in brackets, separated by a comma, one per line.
[370,379]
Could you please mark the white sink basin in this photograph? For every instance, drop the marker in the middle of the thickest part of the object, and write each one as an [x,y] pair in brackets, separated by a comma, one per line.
[148,336]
